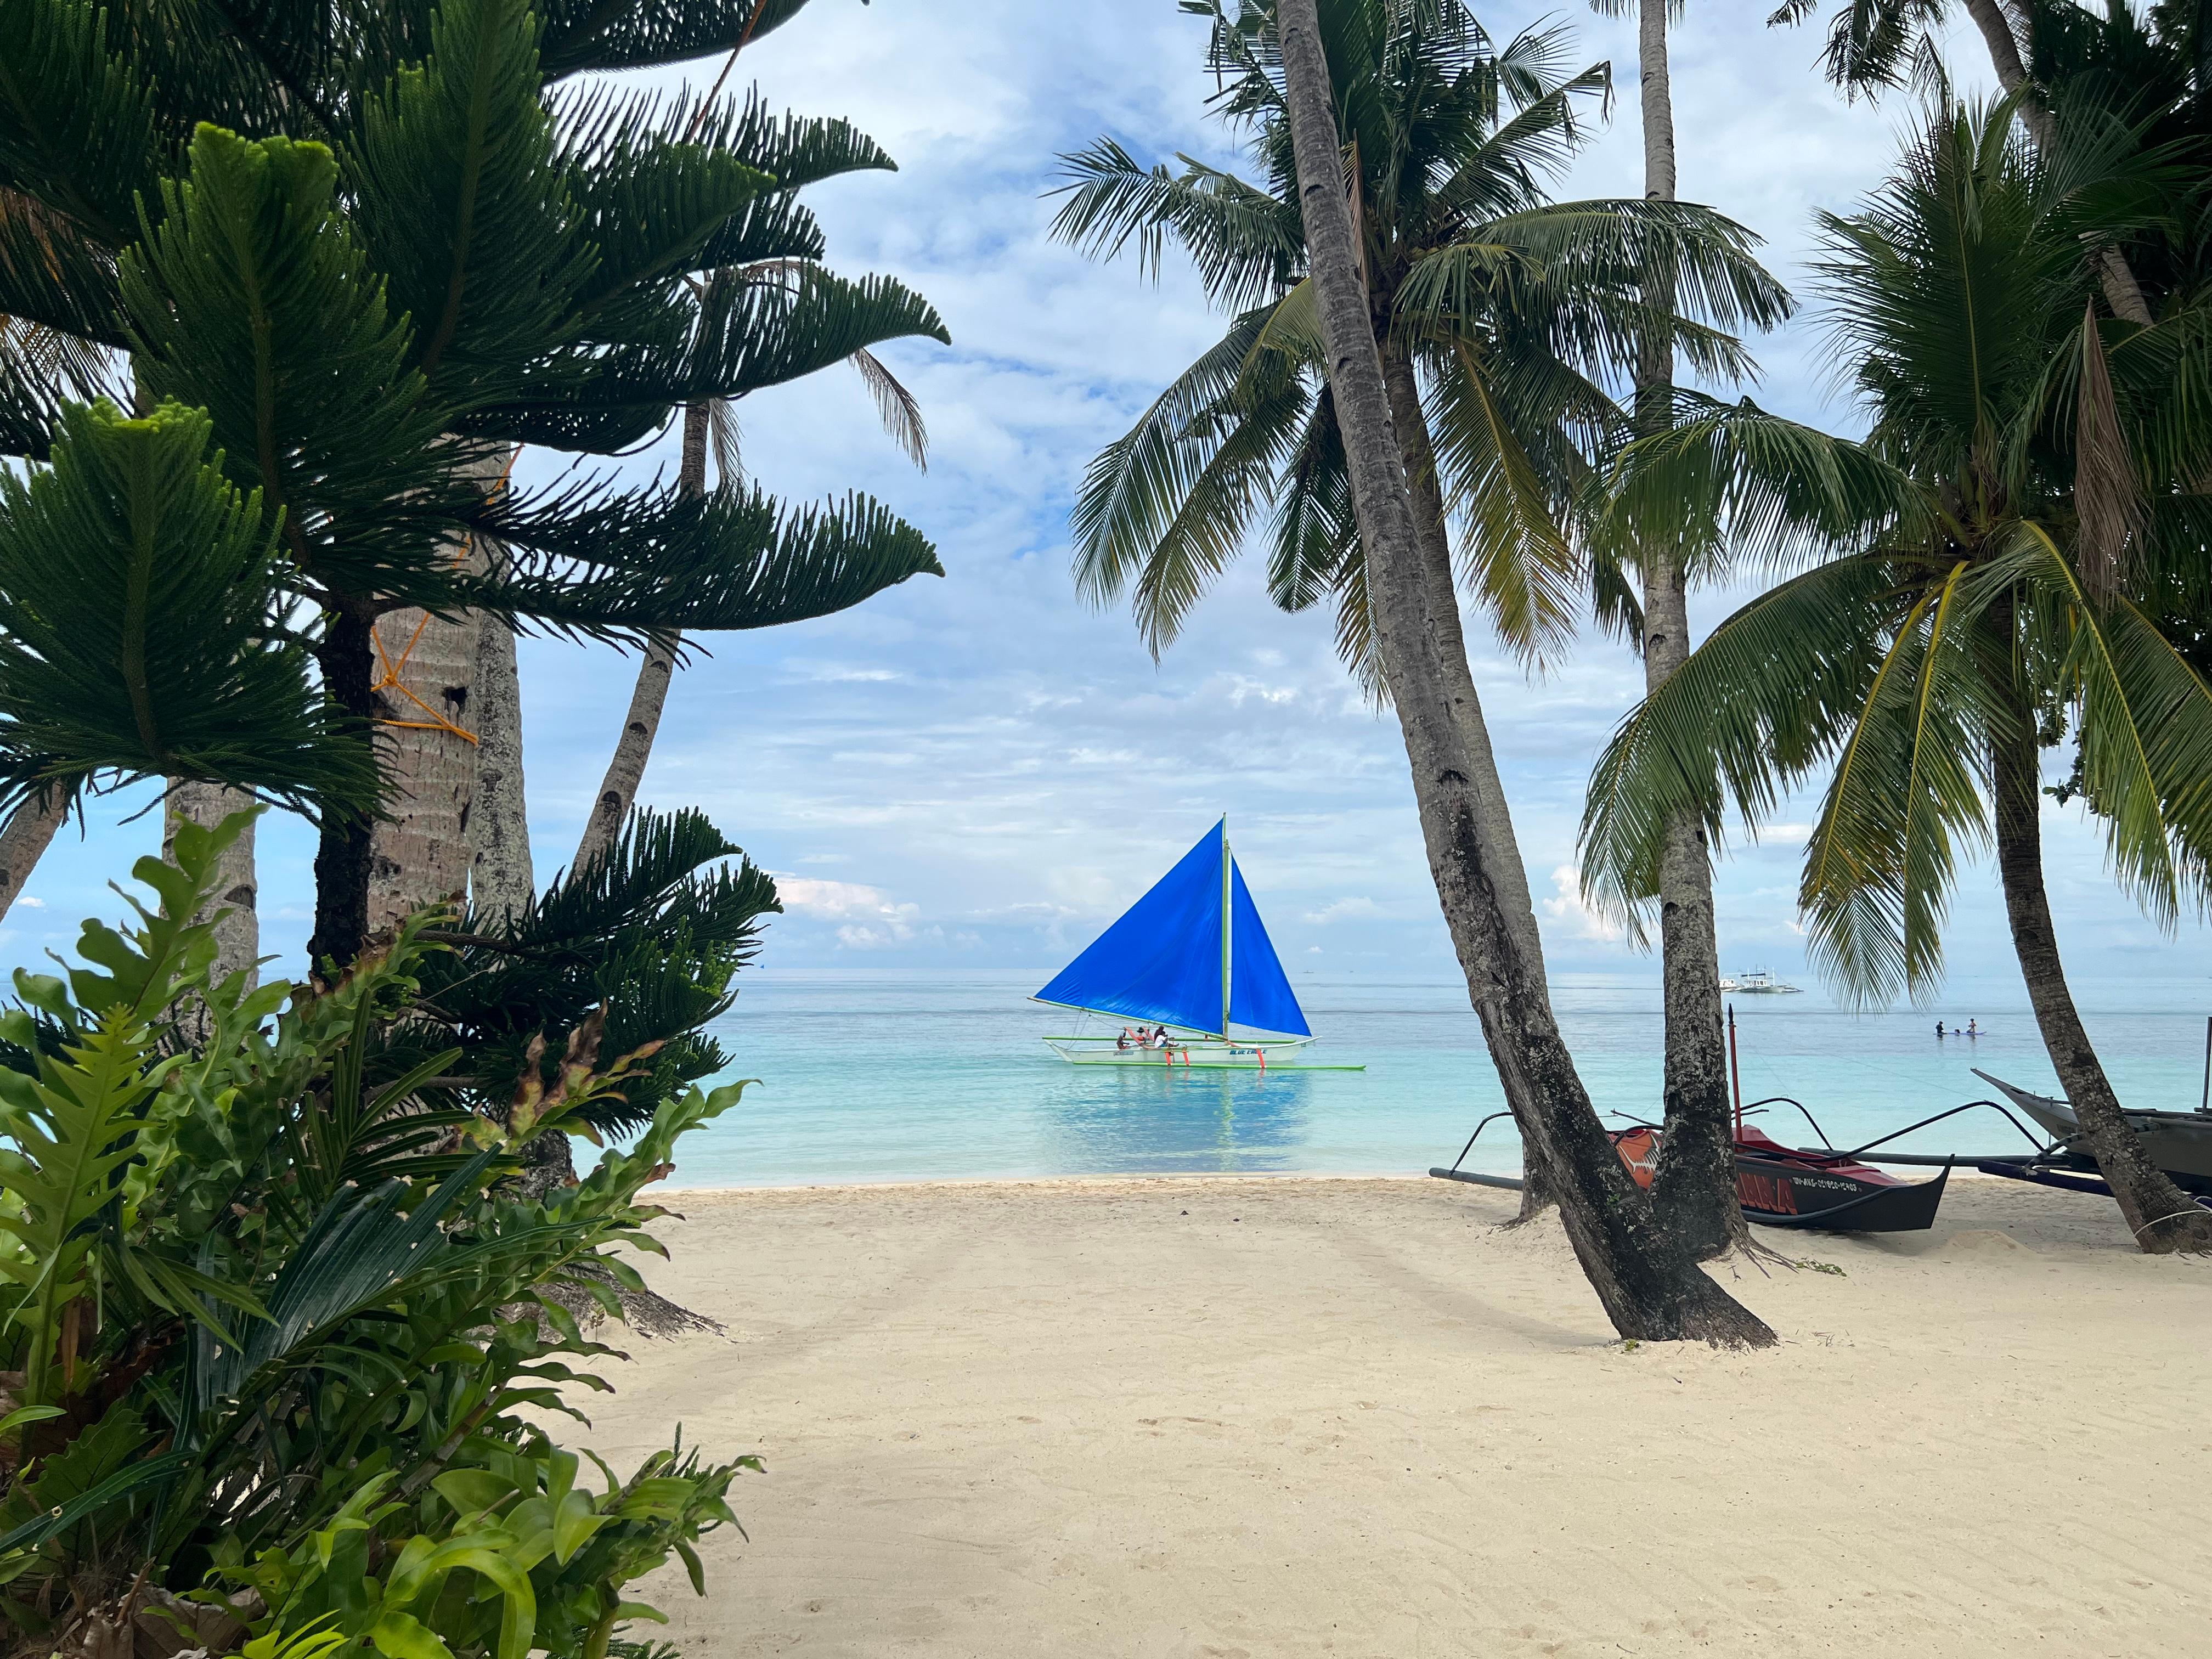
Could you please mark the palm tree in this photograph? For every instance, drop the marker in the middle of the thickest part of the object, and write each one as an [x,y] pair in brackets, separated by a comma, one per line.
[1694,1187]
[1990,565]
[1649,1286]
[1502,317]
[1874,44]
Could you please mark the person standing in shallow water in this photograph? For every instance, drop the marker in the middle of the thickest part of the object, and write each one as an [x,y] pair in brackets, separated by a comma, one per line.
[1939,1028]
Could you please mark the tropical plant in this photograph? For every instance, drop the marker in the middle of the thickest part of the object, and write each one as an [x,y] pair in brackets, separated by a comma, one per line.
[1502,317]
[273,1302]
[1989,568]
[1647,1284]
[378,251]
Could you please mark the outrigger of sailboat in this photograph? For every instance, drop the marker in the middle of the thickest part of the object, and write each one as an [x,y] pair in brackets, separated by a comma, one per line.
[1192,959]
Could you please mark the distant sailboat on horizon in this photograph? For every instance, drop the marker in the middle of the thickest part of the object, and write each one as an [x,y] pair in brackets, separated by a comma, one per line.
[1218,991]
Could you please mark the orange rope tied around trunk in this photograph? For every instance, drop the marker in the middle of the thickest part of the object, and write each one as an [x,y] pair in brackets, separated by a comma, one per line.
[390,680]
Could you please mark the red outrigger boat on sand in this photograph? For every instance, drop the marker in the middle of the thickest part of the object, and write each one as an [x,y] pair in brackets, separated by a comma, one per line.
[1782,1186]
[1776,1186]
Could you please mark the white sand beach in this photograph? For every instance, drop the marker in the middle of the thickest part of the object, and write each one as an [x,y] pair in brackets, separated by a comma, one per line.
[1245,1418]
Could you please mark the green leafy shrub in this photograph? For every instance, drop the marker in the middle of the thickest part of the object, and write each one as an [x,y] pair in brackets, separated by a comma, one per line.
[279,1325]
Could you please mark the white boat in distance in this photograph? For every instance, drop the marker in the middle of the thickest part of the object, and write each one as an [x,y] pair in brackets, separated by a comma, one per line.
[1758,983]
[1192,959]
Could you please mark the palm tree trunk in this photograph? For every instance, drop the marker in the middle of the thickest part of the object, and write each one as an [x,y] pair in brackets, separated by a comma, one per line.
[238,928]
[501,881]
[2159,1214]
[617,795]
[1494,818]
[649,696]
[2117,278]
[30,831]
[1694,1189]
[1649,1288]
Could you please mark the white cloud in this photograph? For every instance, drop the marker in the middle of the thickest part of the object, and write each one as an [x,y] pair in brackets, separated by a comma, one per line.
[895,926]
[1345,910]
[1574,916]
[31,902]
[810,896]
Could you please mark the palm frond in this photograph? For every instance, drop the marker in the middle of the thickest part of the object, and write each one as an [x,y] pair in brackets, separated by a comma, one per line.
[1245,245]
[1769,697]
[1905,798]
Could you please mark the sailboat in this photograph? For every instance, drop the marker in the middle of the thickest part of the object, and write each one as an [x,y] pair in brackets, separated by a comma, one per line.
[1219,992]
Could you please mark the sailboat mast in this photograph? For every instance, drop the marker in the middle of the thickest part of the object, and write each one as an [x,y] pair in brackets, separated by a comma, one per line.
[1225,923]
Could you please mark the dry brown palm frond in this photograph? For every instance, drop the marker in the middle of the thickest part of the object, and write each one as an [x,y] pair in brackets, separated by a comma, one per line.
[2108,501]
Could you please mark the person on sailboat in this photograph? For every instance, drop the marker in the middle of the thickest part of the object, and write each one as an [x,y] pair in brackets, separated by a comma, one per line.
[1122,1041]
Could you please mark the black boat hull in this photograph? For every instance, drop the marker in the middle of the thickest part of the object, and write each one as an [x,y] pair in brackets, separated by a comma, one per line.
[1777,1194]
[2179,1143]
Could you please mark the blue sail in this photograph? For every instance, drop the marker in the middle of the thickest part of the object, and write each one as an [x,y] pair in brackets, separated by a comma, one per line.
[1260,994]
[1161,962]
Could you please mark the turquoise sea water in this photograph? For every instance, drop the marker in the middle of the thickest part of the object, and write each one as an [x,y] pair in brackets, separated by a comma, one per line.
[925,1076]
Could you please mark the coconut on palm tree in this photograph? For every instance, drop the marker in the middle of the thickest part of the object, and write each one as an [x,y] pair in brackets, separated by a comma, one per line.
[1989,572]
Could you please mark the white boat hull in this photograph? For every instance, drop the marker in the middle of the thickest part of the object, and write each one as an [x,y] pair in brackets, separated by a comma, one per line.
[1197,1054]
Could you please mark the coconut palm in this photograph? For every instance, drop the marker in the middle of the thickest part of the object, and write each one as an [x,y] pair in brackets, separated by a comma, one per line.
[1989,568]
[1501,319]
[1309,406]
[1694,1185]
[1874,44]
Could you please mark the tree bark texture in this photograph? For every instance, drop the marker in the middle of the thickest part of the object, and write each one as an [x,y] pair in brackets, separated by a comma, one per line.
[423,849]
[648,697]
[2114,275]
[238,925]
[1493,817]
[1656,90]
[29,832]
[1694,1189]
[1649,1288]
[617,795]
[2158,1212]
[501,881]
[425,844]
[341,858]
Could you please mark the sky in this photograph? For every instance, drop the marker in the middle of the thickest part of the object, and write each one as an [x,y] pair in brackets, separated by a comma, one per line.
[981,771]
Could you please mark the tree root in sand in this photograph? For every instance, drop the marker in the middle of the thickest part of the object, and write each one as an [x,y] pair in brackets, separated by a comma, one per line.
[646,1312]
[1752,1253]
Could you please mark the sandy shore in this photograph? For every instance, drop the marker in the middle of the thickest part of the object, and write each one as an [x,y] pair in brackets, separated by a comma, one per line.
[1245,1418]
